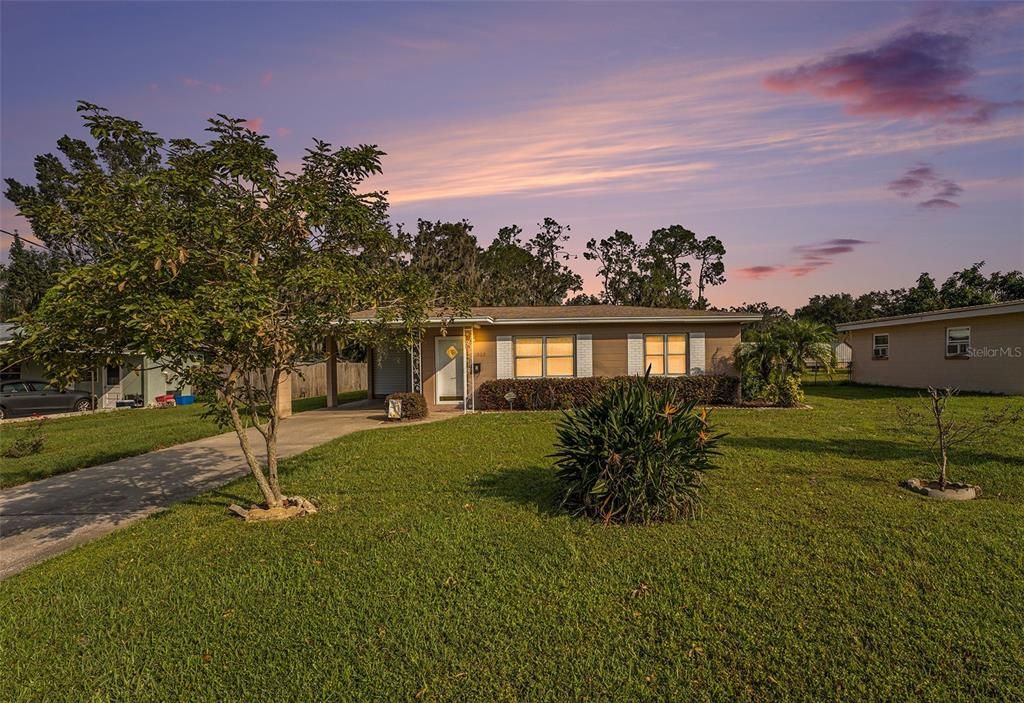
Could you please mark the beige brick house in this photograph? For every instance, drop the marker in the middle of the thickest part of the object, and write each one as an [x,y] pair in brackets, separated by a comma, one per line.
[979,348]
[452,357]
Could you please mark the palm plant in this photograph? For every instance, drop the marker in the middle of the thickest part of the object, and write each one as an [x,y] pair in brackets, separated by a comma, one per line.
[807,341]
[778,353]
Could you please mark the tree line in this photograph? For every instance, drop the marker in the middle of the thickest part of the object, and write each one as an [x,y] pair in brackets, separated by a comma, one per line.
[963,288]
[512,270]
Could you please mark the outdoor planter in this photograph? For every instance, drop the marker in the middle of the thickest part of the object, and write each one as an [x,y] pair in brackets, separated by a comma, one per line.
[953,491]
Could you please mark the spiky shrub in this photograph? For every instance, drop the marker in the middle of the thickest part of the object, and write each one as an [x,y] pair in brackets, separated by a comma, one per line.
[633,455]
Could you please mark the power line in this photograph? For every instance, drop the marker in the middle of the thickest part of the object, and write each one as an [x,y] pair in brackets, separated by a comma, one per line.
[15,235]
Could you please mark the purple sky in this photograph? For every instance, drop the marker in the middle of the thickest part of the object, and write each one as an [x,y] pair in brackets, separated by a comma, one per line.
[832,147]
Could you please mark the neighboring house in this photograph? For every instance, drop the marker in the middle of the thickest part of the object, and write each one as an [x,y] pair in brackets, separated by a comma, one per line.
[562,341]
[978,348]
[138,377]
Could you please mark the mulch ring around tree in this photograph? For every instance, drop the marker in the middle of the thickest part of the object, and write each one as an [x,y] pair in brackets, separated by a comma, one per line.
[952,491]
[292,506]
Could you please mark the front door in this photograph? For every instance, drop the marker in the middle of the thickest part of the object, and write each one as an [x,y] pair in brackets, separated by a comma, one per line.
[449,369]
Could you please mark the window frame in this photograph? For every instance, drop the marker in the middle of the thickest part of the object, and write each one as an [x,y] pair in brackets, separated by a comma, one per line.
[543,355]
[966,345]
[106,374]
[665,355]
[875,346]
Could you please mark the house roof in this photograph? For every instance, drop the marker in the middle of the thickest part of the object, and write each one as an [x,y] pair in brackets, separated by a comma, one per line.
[1007,308]
[585,314]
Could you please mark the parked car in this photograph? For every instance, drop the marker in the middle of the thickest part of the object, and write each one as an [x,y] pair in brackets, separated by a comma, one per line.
[27,397]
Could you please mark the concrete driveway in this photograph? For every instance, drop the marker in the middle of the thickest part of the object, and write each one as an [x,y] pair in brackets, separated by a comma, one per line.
[44,518]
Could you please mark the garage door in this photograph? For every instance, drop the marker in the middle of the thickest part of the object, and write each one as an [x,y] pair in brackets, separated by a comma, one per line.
[390,372]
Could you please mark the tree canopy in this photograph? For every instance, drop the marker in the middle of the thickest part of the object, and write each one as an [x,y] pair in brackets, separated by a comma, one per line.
[212,259]
[660,272]
[25,278]
[968,286]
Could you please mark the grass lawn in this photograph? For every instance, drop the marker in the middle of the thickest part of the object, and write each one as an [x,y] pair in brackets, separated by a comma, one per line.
[440,569]
[86,440]
[316,402]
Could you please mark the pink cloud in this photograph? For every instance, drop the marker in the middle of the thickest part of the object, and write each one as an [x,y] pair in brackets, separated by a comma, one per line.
[756,272]
[924,177]
[283,131]
[266,78]
[918,74]
[810,258]
[937,204]
[255,124]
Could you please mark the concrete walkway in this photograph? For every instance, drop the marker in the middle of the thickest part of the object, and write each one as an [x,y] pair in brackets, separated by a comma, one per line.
[44,518]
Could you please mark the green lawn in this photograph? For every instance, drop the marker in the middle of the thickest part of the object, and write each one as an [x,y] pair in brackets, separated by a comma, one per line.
[86,440]
[440,569]
[300,405]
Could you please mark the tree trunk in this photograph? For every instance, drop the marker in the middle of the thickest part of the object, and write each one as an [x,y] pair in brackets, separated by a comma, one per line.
[937,409]
[250,458]
[271,438]
[942,476]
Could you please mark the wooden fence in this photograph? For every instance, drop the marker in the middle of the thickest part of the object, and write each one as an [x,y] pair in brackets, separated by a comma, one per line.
[311,381]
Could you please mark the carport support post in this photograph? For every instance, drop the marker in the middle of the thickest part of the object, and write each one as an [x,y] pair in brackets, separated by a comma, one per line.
[284,396]
[332,371]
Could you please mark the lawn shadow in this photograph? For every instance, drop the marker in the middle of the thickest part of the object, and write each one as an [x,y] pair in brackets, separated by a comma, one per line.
[847,390]
[531,486]
[858,448]
[220,497]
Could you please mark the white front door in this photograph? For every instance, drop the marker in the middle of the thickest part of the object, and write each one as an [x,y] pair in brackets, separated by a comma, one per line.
[449,369]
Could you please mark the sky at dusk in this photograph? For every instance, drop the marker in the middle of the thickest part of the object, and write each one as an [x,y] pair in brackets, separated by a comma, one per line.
[830,146]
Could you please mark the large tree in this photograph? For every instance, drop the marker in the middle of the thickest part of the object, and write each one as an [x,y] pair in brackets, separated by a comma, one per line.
[616,257]
[664,269]
[709,254]
[447,252]
[659,273]
[553,280]
[534,272]
[213,259]
[25,278]
[508,268]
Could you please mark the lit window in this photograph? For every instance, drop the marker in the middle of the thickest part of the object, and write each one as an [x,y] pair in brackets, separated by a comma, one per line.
[958,341]
[880,346]
[545,356]
[665,354]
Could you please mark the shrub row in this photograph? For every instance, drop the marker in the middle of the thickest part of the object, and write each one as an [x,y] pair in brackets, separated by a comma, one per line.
[559,393]
[414,405]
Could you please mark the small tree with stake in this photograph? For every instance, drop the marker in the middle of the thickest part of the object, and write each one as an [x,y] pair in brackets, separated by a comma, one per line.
[949,432]
[214,260]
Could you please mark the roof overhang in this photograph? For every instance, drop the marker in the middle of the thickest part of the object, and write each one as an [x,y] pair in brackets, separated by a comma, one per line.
[935,316]
[487,320]
[632,320]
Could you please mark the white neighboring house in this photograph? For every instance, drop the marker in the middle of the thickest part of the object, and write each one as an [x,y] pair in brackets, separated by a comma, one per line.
[138,377]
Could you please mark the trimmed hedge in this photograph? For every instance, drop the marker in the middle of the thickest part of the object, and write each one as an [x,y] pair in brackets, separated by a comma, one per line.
[561,393]
[414,405]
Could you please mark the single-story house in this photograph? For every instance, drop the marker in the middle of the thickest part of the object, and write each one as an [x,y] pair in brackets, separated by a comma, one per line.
[139,377]
[452,357]
[977,348]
